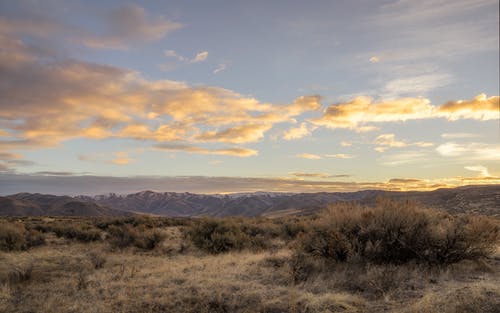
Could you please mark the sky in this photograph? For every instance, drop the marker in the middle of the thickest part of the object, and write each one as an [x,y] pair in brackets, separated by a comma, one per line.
[242,96]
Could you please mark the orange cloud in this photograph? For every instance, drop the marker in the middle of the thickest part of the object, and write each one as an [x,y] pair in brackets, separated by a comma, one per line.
[309,156]
[386,141]
[298,132]
[360,111]
[121,158]
[479,108]
[237,134]
[235,151]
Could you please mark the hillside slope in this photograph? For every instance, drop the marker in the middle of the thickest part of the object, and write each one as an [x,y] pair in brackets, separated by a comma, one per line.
[26,204]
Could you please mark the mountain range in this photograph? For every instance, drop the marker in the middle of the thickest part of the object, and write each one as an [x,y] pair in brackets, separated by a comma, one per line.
[474,199]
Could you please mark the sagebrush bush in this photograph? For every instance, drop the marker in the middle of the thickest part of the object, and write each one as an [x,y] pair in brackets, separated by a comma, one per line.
[127,235]
[398,232]
[216,236]
[14,236]
[79,232]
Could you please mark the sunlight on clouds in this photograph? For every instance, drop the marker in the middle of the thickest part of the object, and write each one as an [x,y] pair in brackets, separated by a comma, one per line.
[483,171]
[237,134]
[122,158]
[298,132]
[309,156]
[363,110]
[237,151]
[387,141]
[479,108]
[339,156]
[470,151]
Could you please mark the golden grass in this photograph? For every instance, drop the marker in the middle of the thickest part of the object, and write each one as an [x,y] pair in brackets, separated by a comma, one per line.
[68,275]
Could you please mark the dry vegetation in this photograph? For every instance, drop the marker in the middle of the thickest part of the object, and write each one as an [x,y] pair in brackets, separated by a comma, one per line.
[392,258]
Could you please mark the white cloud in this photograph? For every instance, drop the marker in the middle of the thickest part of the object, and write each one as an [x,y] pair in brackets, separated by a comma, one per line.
[470,151]
[374,59]
[459,135]
[200,57]
[483,171]
[221,67]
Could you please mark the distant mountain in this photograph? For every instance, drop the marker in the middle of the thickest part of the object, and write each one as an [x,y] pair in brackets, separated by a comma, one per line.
[27,204]
[474,199]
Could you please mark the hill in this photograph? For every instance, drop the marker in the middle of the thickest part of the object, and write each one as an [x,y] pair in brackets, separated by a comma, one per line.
[472,199]
[27,204]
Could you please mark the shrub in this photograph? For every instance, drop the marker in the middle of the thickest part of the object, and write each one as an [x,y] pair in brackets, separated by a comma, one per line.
[127,235]
[325,243]
[397,233]
[97,260]
[79,232]
[34,238]
[12,237]
[216,236]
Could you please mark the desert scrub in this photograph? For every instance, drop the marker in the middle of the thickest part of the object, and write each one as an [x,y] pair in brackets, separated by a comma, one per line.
[82,233]
[398,232]
[126,235]
[217,236]
[14,236]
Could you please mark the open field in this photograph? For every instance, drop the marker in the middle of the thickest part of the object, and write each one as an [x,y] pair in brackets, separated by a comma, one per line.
[397,258]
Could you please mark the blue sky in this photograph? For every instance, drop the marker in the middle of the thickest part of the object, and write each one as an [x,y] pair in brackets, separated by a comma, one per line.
[281,95]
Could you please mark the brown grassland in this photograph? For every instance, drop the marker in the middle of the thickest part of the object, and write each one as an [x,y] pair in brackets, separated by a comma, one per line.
[396,257]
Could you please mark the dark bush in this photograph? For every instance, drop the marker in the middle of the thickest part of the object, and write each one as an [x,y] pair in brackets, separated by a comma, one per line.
[127,235]
[325,243]
[216,236]
[34,238]
[79,232]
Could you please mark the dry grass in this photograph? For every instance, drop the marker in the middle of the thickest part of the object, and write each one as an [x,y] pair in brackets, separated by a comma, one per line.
[68,275]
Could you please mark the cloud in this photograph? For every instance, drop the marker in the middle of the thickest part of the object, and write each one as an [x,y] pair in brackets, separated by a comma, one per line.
[118,28]
[200,57]
[483,171]
[386,141]
[374,59]
[311,175]
[221,67]
[470,151]
[360,111]
[121,158]
[238,134]
[339,156]
[459,135]
[298,132]
[128,24]
[309,156]
[405,158]
[344,143]
[416,85]
[71,99]
[480,108]
[404,180]
[92,185]
[318,175]
[235,151]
